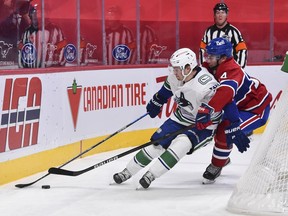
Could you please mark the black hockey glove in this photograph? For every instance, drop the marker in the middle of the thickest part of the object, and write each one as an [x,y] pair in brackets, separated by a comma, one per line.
[154,106]
[235,135]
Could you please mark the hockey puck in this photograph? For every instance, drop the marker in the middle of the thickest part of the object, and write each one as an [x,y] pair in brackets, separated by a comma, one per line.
[45,186]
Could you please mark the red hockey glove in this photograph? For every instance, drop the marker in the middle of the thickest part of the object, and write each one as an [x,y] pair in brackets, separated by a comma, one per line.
[203,117]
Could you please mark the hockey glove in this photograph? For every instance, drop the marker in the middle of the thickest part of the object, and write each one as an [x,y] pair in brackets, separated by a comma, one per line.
[203,117]
[154,106]
[235,135]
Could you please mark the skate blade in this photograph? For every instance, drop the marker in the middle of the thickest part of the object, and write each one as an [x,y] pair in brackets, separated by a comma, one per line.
[207,181]
[139,187]
[112,182]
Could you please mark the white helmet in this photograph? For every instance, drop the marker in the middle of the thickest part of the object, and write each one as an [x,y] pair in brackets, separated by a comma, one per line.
[182,57]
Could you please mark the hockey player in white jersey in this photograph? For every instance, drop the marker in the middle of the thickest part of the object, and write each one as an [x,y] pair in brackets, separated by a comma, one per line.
[190,85]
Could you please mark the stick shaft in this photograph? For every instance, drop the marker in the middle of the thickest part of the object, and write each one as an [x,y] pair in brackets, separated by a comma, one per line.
[87,150]
[104,140]
[60,171]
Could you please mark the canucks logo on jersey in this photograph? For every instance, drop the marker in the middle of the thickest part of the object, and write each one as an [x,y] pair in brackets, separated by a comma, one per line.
[121,52]
[204,79]
[28,54]
[182,102]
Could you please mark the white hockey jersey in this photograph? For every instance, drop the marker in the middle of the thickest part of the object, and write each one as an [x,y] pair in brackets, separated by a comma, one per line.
[191,94]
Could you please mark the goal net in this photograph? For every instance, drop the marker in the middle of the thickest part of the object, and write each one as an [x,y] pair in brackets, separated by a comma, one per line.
[263,189]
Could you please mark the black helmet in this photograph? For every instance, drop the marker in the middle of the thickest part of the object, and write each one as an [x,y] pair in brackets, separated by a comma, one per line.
[32,11]
[221,6]
[33,16]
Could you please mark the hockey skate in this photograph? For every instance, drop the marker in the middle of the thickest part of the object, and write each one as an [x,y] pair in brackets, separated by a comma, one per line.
[146,179]
[122,176]
[212,172]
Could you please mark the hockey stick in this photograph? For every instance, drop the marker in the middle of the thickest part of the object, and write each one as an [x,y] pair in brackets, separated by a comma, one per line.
[59,171]
[87,150]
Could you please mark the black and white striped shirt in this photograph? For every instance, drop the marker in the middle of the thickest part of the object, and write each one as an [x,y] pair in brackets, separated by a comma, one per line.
[148,38]
[234,36]
[30,47]
[121,36]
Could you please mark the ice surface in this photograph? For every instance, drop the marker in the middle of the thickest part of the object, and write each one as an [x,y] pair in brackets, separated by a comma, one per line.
[177,193]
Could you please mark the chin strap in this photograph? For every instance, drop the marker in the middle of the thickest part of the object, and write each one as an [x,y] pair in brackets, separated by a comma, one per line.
[184,76]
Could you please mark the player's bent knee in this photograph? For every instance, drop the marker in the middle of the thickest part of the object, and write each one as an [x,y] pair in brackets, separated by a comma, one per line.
[181,145]
[153,151]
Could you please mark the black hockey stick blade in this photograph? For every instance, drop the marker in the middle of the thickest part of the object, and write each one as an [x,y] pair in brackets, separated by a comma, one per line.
[59,171]
[31,183]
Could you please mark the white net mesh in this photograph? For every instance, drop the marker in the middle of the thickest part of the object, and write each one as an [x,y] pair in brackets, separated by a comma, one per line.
[263,189]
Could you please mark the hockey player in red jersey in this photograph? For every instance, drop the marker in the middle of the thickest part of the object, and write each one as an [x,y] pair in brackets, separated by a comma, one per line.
[244,99]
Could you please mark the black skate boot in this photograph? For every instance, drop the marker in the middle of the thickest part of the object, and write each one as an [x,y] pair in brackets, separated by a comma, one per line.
[212,172]
[146,179]
[122,176]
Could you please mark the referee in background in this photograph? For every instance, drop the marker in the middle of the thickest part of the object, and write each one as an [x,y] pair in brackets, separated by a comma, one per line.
[222,28]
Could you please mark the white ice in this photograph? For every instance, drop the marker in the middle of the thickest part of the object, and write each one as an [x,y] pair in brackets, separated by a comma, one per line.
[179,192]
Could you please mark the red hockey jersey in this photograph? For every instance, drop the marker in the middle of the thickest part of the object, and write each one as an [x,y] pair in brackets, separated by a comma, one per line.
[248,92]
